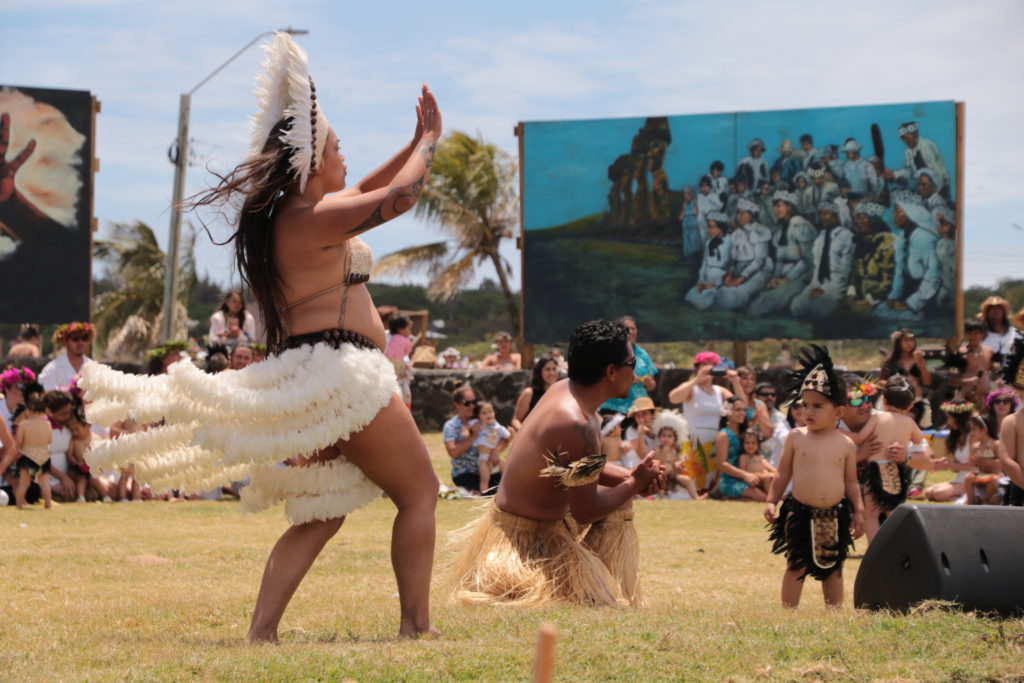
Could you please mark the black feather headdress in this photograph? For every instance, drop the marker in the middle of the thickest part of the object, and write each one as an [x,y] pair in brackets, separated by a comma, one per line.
[954,361]
[1013,365]
[816,374]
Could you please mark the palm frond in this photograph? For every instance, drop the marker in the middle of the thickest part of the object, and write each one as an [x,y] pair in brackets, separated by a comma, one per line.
[426,256]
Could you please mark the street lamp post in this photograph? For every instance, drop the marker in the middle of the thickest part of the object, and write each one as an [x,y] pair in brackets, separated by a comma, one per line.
[180,161]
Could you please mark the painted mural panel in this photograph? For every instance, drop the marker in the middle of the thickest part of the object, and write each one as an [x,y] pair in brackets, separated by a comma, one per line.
[818,223]
[45,204]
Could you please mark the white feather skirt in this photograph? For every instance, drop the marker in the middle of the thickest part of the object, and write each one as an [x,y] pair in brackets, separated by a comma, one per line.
[227,427]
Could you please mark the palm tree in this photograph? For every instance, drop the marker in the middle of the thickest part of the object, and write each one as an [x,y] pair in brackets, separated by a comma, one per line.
[471,195]
[137,264]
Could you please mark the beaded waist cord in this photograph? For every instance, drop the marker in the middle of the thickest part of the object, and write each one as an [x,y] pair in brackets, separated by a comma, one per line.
[334,337]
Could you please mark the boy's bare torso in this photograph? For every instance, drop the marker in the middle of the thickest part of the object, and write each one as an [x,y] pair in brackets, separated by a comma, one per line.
[35,431]
[819,466]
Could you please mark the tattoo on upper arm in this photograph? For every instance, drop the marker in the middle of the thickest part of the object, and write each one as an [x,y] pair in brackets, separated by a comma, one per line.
[393,201]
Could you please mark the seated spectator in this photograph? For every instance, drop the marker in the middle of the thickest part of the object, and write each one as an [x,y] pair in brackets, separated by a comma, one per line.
[231,322]
[8,458]
[217,359]
[75,338]
[163,357]
[451,360]
[641,439]
[999,404]
[241,357]
[460,432]
[545,373]
[907,360]
[752,460]
[772,444]
[716,262]
[612,445]
[958,447]
[673,433]
[735,483]
[502,358]
[984,479]
[973,379]
[556,353]
[489,443]
[59,407]
[29,343]
[88,487]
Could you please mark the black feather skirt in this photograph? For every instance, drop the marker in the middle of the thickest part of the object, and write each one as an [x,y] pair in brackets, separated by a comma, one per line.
[815,541]
[888,483]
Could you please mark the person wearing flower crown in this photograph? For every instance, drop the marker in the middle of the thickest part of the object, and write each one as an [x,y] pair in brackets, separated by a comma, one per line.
[812,527]
[75,338]
[326,400]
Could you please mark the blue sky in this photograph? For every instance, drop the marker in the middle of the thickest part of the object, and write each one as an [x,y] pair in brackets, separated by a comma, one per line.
[495,64]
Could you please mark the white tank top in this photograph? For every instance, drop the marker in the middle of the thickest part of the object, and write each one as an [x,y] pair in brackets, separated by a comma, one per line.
[704,412]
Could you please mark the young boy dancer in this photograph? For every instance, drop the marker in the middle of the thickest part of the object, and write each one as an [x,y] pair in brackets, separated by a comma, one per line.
[812,527]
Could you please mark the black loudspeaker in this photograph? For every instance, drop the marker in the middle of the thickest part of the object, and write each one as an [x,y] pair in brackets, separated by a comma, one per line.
[973,555]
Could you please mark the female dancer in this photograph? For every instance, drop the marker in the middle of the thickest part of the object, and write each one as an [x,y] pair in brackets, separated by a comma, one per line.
[325,401]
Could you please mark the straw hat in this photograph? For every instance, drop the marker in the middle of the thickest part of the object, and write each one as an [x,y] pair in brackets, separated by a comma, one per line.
[642,403]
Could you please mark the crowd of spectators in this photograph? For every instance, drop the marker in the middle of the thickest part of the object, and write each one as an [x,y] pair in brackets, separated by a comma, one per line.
[733,425]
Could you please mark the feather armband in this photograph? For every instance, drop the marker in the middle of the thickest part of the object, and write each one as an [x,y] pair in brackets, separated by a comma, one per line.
[584,471]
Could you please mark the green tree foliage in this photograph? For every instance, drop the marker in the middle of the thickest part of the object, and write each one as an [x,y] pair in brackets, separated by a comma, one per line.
[471,196]
[135,268]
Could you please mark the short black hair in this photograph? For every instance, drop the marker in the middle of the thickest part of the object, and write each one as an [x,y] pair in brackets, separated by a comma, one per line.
[717,165]
[57,399]
[975,325]
[399,322]
[806,137]
[594,346]
[898,393]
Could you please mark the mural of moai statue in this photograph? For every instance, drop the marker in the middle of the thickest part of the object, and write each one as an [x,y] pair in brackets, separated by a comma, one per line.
[620,198]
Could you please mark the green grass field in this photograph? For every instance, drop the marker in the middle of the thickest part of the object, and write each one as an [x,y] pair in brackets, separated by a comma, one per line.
[164,591]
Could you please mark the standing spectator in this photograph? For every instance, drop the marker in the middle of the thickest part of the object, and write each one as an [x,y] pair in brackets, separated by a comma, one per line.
[643,372]
[459,434]
[231,322]
[28,344]
[995,312]
[33,442]
[502,358]
[787,165]
[75,338]
[689,220]
[858,172]
[743,381]
[399,351]
[545,373]
[702,400]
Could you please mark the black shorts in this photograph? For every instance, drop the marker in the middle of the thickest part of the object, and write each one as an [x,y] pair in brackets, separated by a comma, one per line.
[471,482]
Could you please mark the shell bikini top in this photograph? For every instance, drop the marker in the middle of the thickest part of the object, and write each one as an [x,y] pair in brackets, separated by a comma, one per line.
[358,262]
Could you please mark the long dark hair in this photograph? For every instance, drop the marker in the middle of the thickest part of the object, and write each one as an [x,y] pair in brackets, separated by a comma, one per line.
[897,337]
[241,311]
[724,421]
[537,378]
[261,181]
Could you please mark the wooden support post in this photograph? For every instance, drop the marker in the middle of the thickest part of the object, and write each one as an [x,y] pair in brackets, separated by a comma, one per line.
[739,353]
[960,231]
[544,665]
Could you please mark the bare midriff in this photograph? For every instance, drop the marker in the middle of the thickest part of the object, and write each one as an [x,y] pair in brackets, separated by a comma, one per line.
[308,271]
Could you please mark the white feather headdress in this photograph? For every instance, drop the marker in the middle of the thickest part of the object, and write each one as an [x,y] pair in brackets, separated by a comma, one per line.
[675,421]
[285,90]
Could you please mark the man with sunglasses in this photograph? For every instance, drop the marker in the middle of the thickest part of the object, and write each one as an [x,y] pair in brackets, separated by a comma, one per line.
[766,392]
[526,549]
[75,338]
[459,434]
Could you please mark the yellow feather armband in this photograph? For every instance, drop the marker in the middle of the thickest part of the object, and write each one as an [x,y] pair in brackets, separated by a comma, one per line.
[584,471]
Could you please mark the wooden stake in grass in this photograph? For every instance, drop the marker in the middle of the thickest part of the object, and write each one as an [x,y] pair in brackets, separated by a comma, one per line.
[545,663]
